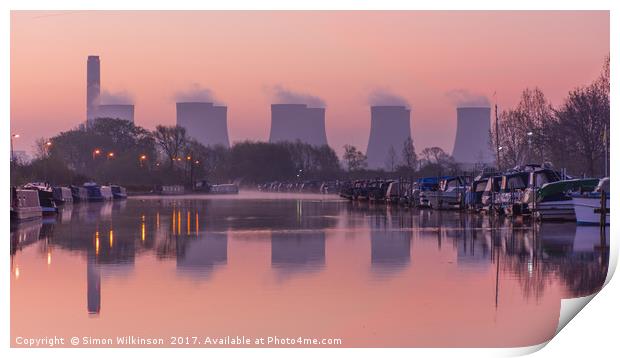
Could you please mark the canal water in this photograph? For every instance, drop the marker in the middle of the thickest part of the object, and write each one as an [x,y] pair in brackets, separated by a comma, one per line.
[296,265]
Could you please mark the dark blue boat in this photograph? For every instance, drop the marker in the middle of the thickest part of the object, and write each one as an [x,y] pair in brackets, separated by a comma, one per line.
[118,192]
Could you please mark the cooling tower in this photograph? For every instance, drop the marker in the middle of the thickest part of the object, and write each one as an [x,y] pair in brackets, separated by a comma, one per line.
[204,122]
[471,145]
[93,86]
[118,111]
[389,127]
[293,122]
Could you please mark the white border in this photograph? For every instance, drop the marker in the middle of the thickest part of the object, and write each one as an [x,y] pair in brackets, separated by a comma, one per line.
[593,331]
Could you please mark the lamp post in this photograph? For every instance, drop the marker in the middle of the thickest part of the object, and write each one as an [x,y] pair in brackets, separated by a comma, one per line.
[191,170]
[12,152]
[48,145]
[111,155]
[96,152]
[529,145]
[142,159]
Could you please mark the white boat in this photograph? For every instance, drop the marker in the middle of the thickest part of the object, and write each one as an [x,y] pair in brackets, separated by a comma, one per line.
[553,201]
[588,205]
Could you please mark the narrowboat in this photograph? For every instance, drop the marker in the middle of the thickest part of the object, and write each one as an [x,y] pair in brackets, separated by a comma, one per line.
[79,193]
[98,192]
[171,190]
[25,205]
[46,197]
[224,189]
[62,195]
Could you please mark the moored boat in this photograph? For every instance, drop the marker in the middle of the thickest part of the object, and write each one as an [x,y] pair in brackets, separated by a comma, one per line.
[62,195]
[224,189]
[98,192]
[25,204]
[118,192]
[79,193]
[171,190]
[588,206]
[553,200]
[46,197]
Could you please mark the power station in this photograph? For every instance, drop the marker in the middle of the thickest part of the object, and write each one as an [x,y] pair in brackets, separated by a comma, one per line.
[94,106]
[117,111]
[204,122]
[93,87]
[389,130]
[297,122]
[471,145]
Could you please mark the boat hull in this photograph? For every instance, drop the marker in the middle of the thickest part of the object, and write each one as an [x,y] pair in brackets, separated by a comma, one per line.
[561,210]
[587,211]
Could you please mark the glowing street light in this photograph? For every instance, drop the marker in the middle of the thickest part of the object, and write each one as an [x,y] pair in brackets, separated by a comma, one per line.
[13,136]
[96,152]
[110,155]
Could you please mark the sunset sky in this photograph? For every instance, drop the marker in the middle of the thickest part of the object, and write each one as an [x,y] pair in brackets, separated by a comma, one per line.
[432,59]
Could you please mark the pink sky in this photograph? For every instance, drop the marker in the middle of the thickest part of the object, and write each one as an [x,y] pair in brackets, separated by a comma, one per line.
[340,57]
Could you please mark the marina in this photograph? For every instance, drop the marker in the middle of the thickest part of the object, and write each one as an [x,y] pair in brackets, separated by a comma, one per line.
[302,257]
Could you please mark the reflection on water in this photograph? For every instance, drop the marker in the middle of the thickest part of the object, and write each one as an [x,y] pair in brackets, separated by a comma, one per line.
[301,262]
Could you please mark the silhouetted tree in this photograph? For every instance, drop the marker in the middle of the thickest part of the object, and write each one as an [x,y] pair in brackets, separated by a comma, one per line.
[578,134]
[354,159]
[524,130]
[172,141]
[409,156]
[391,159]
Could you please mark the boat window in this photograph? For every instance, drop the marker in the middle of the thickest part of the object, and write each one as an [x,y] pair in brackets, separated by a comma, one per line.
[452,184]
[515,182]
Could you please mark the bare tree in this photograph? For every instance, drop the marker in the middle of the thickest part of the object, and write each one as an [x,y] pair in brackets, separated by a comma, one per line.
[354,159]
[172,140]
[523,131]
[391,159]
[42,148]
[410,158]
[579,131]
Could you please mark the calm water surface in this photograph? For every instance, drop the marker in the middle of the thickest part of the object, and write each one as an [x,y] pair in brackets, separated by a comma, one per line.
[296,265]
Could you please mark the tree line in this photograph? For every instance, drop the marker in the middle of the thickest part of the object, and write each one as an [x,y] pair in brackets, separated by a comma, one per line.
[117,151]
[573,135]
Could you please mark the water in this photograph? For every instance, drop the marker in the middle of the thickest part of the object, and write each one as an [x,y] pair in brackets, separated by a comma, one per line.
[310,266]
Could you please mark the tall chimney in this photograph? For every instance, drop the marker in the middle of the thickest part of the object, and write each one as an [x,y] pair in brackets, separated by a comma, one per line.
[93,87]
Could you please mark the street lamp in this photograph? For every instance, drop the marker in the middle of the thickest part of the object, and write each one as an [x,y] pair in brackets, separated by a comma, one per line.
[529,144]
[142,159]
[96,152]
[12,152]
[110,155]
